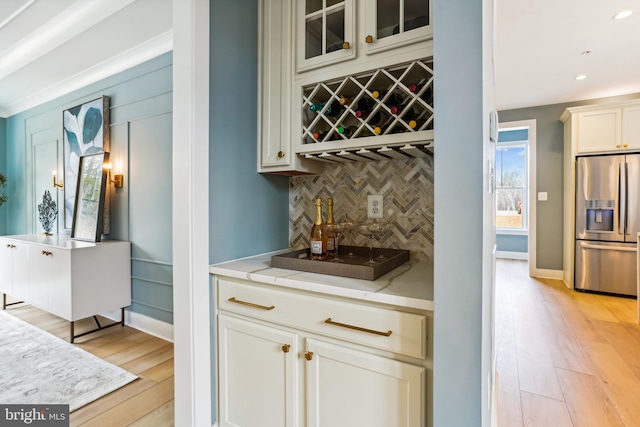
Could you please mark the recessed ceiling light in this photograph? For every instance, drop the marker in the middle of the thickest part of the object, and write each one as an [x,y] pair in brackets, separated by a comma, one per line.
[623,14]
[581,77]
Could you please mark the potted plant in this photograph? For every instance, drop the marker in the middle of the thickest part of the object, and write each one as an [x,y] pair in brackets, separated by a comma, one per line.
[3,183]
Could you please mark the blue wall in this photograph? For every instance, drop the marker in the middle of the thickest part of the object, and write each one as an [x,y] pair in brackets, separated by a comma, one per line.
[3,169]
[512,242]
[249,212]
[141,212]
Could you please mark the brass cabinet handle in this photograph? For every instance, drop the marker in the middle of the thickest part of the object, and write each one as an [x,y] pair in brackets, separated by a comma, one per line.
[286,348]
[47,253]
[368,39]
[625,145]
[357,328]
[280,154]
[10,246]
[308,355]
[346,45]
[250,304]
[618,146]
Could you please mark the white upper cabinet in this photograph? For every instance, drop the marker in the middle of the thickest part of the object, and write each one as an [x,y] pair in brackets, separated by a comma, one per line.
[605,128]
[631,127]
[394,23]
[326,32]
[599,130]
[329,32]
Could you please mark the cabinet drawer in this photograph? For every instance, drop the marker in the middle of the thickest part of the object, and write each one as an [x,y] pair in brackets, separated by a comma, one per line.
[382,328]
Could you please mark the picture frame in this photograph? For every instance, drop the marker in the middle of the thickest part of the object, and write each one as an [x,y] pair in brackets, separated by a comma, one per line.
[85,131]
[89,201]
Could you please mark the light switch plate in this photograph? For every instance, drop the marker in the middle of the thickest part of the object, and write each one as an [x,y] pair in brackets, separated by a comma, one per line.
[542,196]
[374,206]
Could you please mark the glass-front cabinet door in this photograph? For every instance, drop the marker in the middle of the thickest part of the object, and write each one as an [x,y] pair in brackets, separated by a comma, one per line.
[325,31]
[394,23]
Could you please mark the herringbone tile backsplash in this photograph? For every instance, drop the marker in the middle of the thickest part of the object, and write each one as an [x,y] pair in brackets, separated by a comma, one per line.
[407,189]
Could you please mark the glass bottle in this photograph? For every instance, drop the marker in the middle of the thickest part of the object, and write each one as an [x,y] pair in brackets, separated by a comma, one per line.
[331,238]
[318,237]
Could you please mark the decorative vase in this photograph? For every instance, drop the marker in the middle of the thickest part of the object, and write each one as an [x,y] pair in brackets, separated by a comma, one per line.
[48,211]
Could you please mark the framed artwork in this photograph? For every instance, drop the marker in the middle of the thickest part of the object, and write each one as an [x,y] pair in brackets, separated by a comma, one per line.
[85,131]
[89,201]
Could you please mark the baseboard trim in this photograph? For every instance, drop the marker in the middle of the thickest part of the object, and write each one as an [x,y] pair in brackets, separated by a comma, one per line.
[549,274]
[512,255]
[144,323]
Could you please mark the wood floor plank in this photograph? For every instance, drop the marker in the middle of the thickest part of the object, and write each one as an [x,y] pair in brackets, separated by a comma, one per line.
[162,416]
[625,344]
[149,360]
[160,372]
[592,307]
[110,401]
[580,325]
[136,351]
[618,380]
[588,405]
[508,393]
[541,411]
[135,408]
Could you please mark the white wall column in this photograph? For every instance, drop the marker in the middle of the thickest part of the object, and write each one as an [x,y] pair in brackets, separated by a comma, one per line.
[191,212]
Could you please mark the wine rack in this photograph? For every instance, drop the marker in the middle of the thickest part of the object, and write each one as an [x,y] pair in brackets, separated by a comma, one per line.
[362,116]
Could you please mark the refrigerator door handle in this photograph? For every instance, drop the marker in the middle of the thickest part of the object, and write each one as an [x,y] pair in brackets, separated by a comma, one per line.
[622,181]
[607,248]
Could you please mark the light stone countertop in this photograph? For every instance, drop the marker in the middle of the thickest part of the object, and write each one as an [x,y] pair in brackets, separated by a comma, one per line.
[409,285]
[60,241]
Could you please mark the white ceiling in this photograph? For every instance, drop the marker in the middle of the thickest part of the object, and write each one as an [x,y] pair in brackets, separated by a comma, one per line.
[51,47]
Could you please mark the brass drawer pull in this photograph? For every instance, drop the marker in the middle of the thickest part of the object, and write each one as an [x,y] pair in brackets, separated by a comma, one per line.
[47,253]
[250,304]
[357,328]
[308,355]
[10,246]
[286,348]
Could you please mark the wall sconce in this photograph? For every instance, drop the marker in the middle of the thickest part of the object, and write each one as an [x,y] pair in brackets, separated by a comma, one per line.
[118,178]
[55,183]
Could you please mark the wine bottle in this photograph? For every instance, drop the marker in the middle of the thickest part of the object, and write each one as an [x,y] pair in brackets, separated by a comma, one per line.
[334,110]
[331,238]
[347,131]
[317,107]
[345,101]
[394,99]
[318,237]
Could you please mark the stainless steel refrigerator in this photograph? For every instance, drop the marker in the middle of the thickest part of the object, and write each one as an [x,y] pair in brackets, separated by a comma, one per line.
[607,223]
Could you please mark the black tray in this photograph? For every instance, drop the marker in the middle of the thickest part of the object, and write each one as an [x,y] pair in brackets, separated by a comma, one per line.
[351,267]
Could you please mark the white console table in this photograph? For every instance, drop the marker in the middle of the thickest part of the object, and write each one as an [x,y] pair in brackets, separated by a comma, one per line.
[69,278]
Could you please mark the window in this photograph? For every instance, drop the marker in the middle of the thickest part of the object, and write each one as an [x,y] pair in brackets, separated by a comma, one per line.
[511,181]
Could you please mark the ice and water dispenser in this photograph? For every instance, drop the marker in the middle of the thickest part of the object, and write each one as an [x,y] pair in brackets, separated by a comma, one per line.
[600,215]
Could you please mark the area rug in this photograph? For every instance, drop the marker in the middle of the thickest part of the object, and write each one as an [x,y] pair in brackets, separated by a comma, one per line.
[39,368]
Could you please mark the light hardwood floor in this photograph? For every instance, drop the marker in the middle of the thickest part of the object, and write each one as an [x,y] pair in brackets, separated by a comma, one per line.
[147,401]
[564,358]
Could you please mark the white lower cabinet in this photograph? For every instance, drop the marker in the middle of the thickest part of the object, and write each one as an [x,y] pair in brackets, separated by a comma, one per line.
[281,363]
[258,374]
[348,387]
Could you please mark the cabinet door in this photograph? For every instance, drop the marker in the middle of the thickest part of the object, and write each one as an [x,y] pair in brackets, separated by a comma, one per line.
[6,266]
[394,23]
[50,279]
[258,375]
[326,32]
[599,130]
[20,270]
[347,388]
[631,127]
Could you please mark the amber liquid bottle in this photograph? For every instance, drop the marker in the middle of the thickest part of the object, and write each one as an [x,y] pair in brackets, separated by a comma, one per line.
[318,237]
[331,239]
